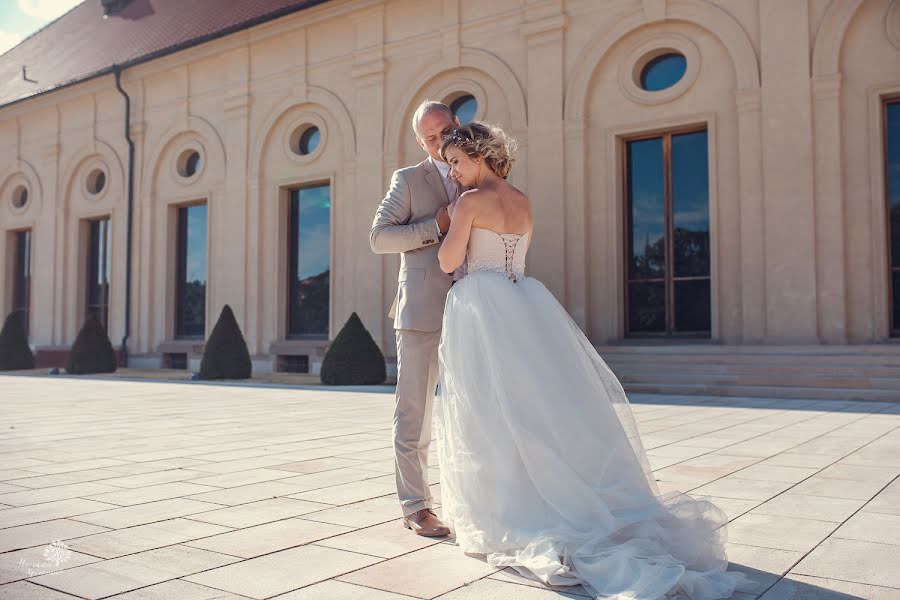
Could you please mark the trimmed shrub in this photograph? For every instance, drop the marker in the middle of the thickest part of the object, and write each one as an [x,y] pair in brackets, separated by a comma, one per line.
[353,357]
[225,355]
[15,353]
[92,351]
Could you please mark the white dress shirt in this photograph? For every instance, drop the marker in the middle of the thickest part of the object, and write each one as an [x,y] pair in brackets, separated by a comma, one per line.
[449,184]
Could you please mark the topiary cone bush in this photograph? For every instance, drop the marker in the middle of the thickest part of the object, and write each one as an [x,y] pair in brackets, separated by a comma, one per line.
[15,353]
[92,351]
[225,355]
[353,357]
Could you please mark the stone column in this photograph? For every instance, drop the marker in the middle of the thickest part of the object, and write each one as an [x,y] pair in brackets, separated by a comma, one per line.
[367,286]
[559,228]
[752,227]
[578,227]
[829,208]
[788,202]
[48,253]
[228,212]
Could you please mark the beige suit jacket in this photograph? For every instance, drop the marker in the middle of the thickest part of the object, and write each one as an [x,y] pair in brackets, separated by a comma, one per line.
[405,223]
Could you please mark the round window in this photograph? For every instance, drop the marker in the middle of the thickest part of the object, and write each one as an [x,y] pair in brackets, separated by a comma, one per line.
[189,163]
[309,141]
[20,196]
[464,107]
[305,139]
[96,181]
[663,71]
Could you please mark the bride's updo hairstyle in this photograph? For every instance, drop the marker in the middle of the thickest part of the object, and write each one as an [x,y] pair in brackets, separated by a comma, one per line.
[483,140]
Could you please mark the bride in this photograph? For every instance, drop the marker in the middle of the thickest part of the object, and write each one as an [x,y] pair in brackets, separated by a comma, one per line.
[542,467]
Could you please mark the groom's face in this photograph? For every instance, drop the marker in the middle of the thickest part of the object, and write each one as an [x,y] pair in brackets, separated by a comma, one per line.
[432,129]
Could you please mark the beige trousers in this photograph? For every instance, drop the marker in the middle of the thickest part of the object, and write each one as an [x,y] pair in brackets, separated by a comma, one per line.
[417,378]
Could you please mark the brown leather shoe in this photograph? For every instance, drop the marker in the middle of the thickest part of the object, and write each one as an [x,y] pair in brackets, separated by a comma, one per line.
[425,522]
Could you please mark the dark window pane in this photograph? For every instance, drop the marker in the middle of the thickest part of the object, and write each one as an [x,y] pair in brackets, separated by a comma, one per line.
[690,205]
[692,305]
[663,72]
[98,271]
[310,261]
[646,209]
[464,108]
[193,164]
[22,275]
[191,300]
[647,307]
[892,169]
[895,285]
[310,139]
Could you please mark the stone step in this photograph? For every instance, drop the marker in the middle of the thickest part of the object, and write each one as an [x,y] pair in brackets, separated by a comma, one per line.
[758,391]
[887,349]
[775,359]
[793,381]
[661,366]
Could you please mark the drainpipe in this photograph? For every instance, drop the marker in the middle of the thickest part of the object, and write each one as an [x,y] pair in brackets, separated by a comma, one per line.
[123,353]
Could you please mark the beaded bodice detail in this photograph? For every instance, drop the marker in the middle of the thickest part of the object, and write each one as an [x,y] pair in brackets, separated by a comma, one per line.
[494,252]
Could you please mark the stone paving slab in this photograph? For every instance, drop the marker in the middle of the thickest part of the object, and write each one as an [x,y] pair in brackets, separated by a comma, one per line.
[142,490]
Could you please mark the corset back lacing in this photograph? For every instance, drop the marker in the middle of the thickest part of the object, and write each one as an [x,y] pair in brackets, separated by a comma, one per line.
[506,264]
[510,241]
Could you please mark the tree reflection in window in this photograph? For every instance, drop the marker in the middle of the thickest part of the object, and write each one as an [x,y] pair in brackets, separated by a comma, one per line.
[309,241]
[190,305]
[668,287]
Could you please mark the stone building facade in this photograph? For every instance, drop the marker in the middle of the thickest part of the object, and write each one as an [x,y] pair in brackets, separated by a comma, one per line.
[711,170]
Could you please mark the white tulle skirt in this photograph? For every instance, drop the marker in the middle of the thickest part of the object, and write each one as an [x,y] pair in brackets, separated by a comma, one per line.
[542,467]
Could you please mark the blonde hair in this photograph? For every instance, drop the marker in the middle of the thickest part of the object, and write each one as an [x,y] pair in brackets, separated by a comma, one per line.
[483,140]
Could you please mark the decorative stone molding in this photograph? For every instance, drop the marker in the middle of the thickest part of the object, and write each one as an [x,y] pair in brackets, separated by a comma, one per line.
[461,86]
[20,174]
[188,145]
[646,49]
[714,19]
[333,110]
[14,186]
[654,10]
[170,145]
[83,184]
[545,30]
[304,119]
[892,24]
[238,105]
[830,37]
[486,64]
[826,87]
[366,69]
[748,100]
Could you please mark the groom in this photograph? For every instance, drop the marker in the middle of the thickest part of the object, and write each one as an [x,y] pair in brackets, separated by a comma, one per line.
[411,220]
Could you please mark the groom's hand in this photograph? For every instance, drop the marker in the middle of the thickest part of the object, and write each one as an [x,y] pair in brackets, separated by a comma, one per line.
[443,219]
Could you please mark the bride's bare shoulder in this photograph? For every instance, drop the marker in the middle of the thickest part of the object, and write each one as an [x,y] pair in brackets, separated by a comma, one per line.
[470,197]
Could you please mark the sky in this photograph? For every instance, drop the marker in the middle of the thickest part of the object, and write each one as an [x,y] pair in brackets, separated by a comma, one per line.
[20,18]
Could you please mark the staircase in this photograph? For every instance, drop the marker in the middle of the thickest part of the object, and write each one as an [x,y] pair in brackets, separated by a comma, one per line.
[863,372]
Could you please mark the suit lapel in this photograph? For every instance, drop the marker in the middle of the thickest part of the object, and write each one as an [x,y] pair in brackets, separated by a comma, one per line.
[433,179]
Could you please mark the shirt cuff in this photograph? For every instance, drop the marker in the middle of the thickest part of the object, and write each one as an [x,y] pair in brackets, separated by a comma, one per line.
[438,227]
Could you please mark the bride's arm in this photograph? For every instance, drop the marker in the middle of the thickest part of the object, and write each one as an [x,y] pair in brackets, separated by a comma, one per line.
[453,249]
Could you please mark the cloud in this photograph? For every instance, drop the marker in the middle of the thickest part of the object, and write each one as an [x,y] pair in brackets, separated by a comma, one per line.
[46,9]
[8,39]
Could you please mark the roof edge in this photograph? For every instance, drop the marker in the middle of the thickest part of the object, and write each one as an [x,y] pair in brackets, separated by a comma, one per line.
[282,12]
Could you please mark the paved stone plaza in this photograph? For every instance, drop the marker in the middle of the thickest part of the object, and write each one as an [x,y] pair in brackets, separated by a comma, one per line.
[187,491]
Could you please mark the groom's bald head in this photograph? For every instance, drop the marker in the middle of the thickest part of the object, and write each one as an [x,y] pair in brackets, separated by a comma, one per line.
[429,107]
[431,122]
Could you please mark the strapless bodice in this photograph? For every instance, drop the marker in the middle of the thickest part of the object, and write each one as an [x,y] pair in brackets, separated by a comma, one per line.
[489,251]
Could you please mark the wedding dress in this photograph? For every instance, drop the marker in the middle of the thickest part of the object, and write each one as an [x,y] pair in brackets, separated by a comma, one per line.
[542,468]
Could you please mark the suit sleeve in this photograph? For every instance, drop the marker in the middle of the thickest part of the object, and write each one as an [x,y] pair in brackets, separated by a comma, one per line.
[391,230]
